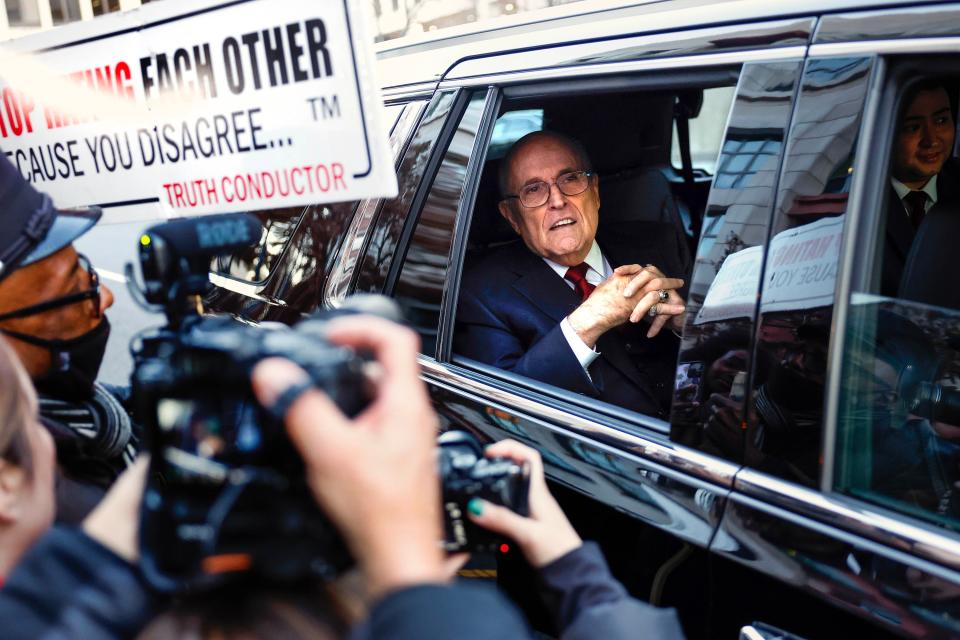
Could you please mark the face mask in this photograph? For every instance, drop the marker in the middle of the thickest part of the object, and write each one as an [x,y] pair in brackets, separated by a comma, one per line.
[74,363]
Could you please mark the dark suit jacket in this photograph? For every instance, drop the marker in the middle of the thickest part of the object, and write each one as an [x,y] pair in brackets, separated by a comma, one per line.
[512,303]
[900,232]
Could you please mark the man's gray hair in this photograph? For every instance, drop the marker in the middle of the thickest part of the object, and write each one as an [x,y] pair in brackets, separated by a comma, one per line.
[579,152]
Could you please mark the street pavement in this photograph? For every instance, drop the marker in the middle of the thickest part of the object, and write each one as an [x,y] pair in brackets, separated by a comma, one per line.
[110,247]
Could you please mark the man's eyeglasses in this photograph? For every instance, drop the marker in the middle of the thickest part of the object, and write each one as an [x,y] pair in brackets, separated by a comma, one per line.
[537,193]
[93,293]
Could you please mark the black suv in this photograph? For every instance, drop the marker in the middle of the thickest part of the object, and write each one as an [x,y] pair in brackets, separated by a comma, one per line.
[807,476]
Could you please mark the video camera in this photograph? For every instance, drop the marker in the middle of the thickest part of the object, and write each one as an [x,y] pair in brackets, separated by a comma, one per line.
[226,493]
[916,362]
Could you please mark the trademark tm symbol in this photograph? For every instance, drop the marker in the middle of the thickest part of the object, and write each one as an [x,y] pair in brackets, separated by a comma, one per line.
[325,107]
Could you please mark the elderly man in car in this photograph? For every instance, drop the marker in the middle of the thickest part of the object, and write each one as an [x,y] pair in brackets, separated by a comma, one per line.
[924,175]
[568,306]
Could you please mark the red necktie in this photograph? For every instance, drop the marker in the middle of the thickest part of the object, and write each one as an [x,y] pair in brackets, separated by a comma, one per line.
[916,202]
[578,276]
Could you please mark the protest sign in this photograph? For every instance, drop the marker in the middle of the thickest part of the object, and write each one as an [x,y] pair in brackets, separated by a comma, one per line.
[183,108]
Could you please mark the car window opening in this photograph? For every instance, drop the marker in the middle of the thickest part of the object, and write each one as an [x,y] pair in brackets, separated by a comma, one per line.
[645,216]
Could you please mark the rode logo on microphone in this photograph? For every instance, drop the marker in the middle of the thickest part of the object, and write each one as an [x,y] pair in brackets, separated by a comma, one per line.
[223,232]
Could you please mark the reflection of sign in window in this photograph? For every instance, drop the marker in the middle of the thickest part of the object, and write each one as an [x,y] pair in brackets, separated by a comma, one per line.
[733,293]
[801,274]
[802,270]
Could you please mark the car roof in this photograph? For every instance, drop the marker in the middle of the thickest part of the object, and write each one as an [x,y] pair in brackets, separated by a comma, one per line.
[427,57]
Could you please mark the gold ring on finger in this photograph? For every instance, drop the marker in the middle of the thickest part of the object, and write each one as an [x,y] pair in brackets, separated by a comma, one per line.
[663,295]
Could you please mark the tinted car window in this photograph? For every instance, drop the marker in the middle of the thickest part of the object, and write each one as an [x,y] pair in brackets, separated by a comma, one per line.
[419,289]
[385,234]
[715,355]
[784,422]
[898,440]
[338,284]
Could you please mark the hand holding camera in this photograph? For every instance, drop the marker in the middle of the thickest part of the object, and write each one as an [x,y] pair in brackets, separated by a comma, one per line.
[375,476]
[546,534]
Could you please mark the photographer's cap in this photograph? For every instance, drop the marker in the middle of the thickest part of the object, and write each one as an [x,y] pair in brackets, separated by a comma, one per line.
[30,227]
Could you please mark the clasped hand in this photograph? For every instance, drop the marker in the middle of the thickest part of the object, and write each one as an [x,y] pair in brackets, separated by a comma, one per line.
[627,296]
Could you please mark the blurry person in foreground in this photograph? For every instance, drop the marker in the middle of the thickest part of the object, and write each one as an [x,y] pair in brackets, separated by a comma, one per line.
[27,464]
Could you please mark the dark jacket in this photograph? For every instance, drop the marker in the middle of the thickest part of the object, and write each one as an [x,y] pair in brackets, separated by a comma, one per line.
[70,587]
[459,611]
[587,602]
[900,233]
[512,303]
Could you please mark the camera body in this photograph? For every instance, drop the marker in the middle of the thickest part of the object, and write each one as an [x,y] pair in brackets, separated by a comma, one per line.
[226,492]
[465,475]
[226,495]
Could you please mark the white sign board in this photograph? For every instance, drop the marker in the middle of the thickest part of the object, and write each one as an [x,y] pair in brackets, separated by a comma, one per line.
[801,274]
[184,107]
[802,269]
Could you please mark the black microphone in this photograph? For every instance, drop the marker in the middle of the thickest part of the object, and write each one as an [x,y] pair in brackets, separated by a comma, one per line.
[175,256]
[205,236]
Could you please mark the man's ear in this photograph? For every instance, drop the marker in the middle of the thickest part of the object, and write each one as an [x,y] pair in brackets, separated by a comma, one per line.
[507,212]
[13,479]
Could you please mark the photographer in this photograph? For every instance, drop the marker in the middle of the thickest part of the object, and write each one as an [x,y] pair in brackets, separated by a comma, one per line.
[585,600]
[375,476]
[52,308]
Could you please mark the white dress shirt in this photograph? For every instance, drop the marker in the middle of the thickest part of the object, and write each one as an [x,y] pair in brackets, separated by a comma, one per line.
[930,189]
[598,272]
